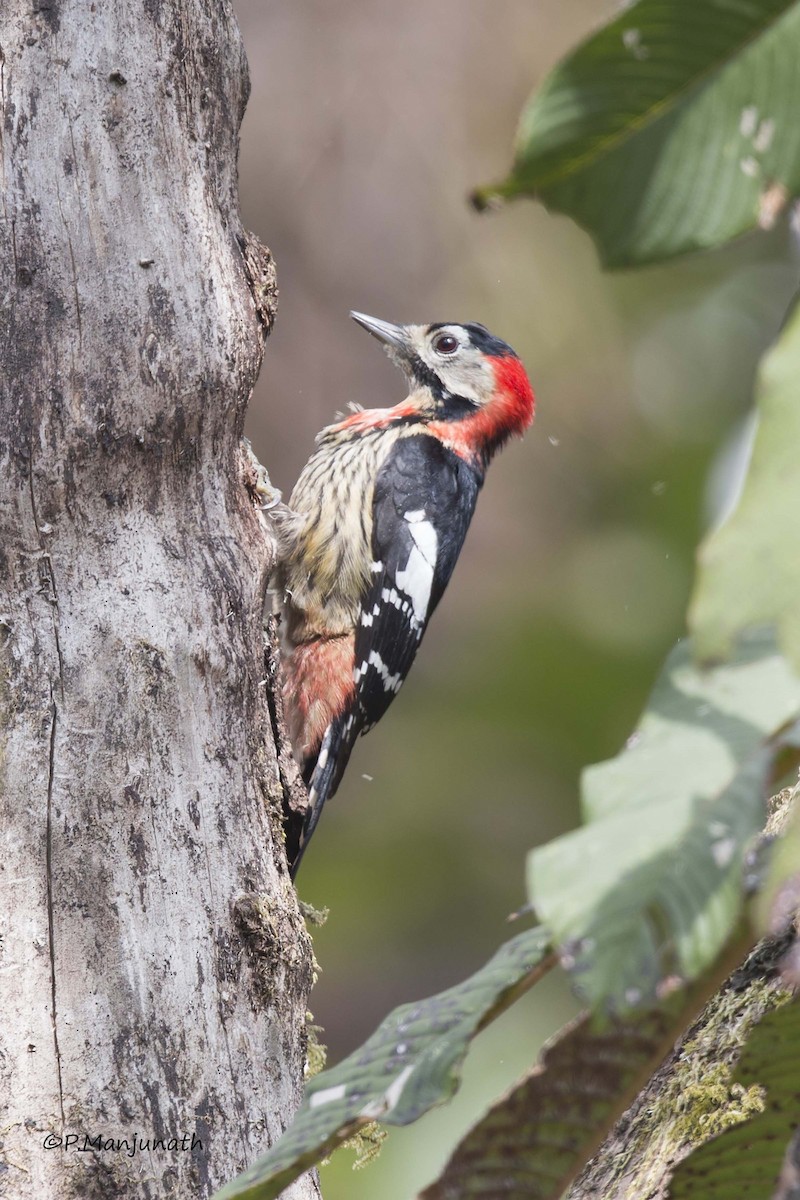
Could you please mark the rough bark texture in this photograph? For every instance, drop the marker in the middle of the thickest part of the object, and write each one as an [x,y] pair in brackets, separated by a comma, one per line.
[153,966]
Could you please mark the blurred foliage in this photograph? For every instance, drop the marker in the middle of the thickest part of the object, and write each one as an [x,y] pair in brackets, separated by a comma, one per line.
[576,574]
[748,575]
[410,1063]
[650,887]
[658,134]
[532,1141]
[415,1154]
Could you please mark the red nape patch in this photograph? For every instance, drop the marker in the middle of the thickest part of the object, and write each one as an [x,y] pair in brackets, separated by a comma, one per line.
[378,418]
[513,401]
[510,411]
[318,685]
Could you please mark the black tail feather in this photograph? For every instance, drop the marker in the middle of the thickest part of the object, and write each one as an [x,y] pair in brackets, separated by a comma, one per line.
[322,775]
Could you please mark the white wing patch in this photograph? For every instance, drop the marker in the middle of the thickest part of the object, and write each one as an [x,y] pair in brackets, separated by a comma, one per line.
[392,683]
[416,579]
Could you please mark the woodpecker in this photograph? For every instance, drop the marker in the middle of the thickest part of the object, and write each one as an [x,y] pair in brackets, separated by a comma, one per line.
[378,518]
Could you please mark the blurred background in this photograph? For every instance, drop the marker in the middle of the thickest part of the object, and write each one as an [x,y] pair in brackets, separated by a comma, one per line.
[368,124]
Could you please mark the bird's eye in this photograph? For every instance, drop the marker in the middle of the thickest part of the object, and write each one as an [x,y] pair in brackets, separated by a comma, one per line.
[445,343]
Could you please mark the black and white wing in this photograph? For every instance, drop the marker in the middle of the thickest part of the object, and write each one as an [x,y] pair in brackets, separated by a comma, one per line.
[424,500]
[423,503]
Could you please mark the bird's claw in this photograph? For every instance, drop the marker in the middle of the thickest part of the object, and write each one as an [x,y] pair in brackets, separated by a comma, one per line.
[265,495]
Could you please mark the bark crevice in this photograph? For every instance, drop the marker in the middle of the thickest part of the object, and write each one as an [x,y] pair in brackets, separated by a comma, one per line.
[50,919]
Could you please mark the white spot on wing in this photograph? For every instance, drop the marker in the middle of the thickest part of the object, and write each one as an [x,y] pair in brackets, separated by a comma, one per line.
[425,538]
[417,578]
[392,683]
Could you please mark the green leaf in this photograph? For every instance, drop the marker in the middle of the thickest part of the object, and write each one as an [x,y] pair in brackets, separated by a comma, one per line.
[540,1134]
[408,1065]
[650,888]
[743,1162]
[749,568]
[669,129]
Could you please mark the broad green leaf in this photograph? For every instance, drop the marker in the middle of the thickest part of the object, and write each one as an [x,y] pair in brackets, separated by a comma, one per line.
[408,1065]
[650,888]
[672,129]
[540,1134]
[743,1162]
[749,571]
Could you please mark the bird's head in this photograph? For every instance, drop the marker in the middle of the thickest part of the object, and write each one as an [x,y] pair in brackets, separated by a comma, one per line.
[474,379]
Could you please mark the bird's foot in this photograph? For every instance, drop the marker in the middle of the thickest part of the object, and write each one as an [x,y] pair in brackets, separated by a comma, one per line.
[258,481]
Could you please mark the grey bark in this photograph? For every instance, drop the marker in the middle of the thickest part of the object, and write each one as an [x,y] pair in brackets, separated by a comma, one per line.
[153,966]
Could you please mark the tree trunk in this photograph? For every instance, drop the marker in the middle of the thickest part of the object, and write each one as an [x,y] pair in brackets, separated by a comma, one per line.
[153,966]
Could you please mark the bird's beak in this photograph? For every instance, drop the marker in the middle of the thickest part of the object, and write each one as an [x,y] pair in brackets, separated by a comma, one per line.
[393,336]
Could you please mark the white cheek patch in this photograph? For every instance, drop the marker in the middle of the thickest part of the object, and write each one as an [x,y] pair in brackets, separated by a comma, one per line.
[417,578]
[471,378]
